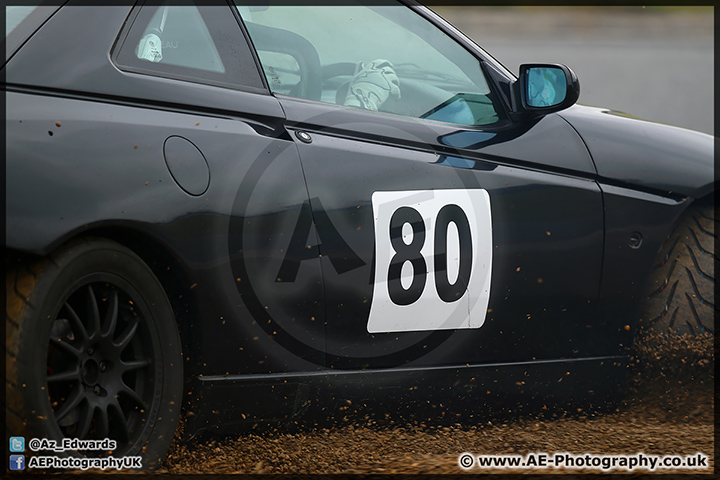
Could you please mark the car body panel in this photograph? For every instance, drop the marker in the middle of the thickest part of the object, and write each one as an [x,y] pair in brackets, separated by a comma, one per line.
[631,215]
[546,231]
[450,394]
[123,183]
[646,155]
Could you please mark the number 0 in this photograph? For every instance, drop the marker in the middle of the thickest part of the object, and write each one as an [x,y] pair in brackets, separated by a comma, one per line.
[451,292]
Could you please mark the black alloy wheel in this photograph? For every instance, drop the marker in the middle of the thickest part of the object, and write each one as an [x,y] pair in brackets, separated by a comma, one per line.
[100,364]
[93,351]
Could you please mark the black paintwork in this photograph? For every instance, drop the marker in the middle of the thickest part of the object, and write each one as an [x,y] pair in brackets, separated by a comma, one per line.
[268,258]
[629,151]
[548,226]
[449,394]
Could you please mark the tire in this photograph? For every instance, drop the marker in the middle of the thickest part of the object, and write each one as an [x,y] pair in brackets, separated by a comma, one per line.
[680,298]
[92,351]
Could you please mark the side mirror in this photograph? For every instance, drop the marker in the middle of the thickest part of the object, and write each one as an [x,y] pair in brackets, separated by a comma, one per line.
[546,88]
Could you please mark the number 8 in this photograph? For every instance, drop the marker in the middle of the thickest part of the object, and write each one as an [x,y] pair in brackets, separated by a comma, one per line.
[405,253]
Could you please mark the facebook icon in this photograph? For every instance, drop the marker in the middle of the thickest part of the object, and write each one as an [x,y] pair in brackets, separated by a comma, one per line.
[17,462]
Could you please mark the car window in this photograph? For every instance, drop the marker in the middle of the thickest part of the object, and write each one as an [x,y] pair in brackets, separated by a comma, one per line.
[171,27]
[202,43]
[385,58]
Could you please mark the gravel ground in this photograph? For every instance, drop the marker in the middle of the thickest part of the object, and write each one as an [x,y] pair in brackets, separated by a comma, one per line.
[669,410]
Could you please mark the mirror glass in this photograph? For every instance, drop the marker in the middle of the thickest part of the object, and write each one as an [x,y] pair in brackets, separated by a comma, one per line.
[546,86]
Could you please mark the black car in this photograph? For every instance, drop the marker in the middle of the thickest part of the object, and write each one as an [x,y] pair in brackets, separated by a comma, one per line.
[244,211]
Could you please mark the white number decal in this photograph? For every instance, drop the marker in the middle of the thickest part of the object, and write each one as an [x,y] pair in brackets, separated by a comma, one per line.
[433,260]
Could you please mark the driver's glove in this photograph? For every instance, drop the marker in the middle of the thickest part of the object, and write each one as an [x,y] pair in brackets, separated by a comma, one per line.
[373,83]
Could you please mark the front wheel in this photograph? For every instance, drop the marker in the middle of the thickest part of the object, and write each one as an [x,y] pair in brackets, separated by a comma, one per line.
[92,351]
[674,346]
[681,293]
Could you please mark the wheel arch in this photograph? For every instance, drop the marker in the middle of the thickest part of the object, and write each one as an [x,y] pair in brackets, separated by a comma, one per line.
[710,198]
[167,267]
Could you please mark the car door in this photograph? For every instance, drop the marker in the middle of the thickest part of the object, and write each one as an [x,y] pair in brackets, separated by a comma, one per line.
[448,234]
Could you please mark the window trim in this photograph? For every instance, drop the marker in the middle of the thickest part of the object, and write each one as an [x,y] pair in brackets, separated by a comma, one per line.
[499,78]
[251,45]
[27,28]
[119,56]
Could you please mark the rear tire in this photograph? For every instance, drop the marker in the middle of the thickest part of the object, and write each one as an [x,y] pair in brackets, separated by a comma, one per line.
[92,351]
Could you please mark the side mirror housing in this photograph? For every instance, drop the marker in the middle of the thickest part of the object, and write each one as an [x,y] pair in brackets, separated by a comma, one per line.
[545,88]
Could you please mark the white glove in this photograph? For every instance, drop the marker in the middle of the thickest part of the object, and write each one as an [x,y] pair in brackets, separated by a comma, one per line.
[150,48]
[372,85]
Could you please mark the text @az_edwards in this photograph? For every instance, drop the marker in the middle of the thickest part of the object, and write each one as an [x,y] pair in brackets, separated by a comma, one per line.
[71,444]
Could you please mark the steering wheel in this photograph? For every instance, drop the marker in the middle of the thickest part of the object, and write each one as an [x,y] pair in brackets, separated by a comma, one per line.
[339,69]
[271,39]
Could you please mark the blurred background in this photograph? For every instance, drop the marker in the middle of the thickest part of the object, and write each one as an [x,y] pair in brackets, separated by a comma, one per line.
[652,62]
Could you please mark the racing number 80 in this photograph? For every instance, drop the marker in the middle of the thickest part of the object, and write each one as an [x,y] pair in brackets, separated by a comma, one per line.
[437,276]
[411,252]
